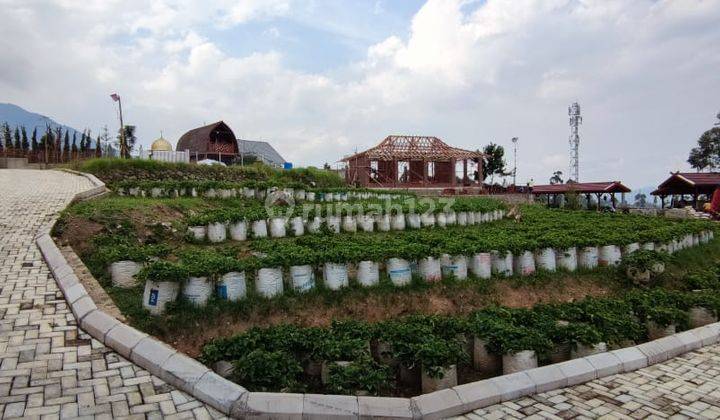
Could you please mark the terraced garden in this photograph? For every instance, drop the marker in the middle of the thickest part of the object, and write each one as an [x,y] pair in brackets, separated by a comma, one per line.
[285,286]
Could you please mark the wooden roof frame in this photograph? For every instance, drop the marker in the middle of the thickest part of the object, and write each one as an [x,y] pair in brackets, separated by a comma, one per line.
[414,148]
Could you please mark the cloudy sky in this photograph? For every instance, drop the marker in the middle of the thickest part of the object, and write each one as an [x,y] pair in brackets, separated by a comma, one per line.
[322,78]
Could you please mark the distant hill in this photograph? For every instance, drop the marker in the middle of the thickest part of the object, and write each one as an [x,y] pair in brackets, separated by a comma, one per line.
[16,117]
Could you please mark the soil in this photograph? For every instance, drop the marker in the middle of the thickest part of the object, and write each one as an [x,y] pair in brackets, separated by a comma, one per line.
[439,300]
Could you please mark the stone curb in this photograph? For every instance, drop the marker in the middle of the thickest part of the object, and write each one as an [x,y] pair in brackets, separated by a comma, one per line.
[190,376]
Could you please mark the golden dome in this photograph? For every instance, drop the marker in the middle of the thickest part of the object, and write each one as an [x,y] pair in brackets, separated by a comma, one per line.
[161,145]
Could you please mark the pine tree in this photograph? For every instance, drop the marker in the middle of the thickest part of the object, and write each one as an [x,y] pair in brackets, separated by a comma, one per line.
[98,150]
[17,145]
[58,139]
[25,144]
[66,146]
[83,141]
[34,143]
[74,145]
[7,136]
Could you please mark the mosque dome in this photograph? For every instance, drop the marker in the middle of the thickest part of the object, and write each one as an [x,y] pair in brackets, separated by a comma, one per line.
[161,145]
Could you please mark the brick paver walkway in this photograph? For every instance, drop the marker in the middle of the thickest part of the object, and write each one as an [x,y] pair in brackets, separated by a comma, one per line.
[686,387]
[48,367]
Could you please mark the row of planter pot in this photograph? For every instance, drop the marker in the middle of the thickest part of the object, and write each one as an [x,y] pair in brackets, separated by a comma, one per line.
[255,193]
[279,227]
[269,281]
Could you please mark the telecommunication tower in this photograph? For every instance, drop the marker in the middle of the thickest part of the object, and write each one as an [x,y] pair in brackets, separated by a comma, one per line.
[575,121]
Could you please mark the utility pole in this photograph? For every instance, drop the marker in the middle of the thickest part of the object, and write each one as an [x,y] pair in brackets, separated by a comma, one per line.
[514,141]
[123,146]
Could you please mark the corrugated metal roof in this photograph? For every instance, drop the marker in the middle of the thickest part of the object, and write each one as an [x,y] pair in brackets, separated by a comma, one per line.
[261,149]
[582,188]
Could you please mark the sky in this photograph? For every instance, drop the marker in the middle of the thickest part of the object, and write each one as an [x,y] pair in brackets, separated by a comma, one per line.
[321,79]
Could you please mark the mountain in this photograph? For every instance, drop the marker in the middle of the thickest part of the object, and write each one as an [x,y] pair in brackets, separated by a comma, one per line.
[16,117]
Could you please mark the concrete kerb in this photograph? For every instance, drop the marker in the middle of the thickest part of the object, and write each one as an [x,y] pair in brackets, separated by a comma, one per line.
[199,381]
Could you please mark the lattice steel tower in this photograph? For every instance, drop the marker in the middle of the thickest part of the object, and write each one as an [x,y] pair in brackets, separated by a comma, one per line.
[575,121]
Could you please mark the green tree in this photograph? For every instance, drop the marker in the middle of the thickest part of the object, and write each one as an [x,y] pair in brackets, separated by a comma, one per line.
[640,200]
[130,139]
[83,138]
[98,147]
[7,136]
[66,146]
[5,128]
[494,162]
[17,145]
[34,141]
[24,144]
[707,153]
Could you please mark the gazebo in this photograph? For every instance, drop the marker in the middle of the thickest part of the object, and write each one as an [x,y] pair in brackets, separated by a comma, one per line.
[693,184]
[584,188]
[414,162]
[214,141]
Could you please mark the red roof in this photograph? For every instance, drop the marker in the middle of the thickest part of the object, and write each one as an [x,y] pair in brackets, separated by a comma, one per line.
[687,182]
[581,187]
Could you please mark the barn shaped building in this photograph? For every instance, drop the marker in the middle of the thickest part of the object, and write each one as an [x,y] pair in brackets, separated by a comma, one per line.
[217,141]
[414,162]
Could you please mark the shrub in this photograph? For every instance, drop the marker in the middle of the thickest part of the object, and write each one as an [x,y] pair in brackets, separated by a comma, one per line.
[261,370]
[362,374]
[160,271]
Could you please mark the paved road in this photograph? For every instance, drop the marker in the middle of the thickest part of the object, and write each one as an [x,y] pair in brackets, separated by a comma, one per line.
[48,367]
[686,387]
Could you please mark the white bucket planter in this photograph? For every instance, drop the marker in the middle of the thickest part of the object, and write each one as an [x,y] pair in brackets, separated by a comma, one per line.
[313,225]
[484,361]
[329,197]
[211,193]
[122,273]
[517,362]
[427,219]
[333,223]
[399,272]
[310,196]
[259,229]
[198,232]
[700,316]
[349,224]
[711,235]
[277,227]
[397,221]
[134,191]
[630,248]
[470,218]
[429,269]
[481,265]
[566,259]
[441,220]
[447,380]
[462,218]
[156,192]
[413,221]
[227,193]
[217,232]
[451,218]
[232,286]
[588,257]
[302,277]
[336,275]
[480,217]
[158,294]
[649,246]
[524,264]
[609,256]
[297,227]
[695,240]
[269,282]
[248,192]
[368,273]
[582,350]
[383,222]
[455,266]
[365,222]
[661,247]
[197,290]
[545,259]
[300,195]
[238,231]
[502,264]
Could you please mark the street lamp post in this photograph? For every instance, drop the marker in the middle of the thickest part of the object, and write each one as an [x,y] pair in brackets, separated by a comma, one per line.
[514,141]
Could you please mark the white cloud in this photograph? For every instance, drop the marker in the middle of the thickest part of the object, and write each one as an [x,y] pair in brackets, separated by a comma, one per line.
[645,73]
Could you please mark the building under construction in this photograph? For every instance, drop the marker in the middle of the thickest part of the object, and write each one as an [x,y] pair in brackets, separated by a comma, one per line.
[414,162]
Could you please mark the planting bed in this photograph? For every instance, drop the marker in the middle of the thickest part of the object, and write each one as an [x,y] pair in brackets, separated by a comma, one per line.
[194,284]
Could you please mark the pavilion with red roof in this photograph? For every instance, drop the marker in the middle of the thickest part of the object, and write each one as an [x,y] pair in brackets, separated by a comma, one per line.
[585,188]
[694,184]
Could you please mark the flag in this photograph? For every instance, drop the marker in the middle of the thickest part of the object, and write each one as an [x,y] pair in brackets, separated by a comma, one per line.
[115,97]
